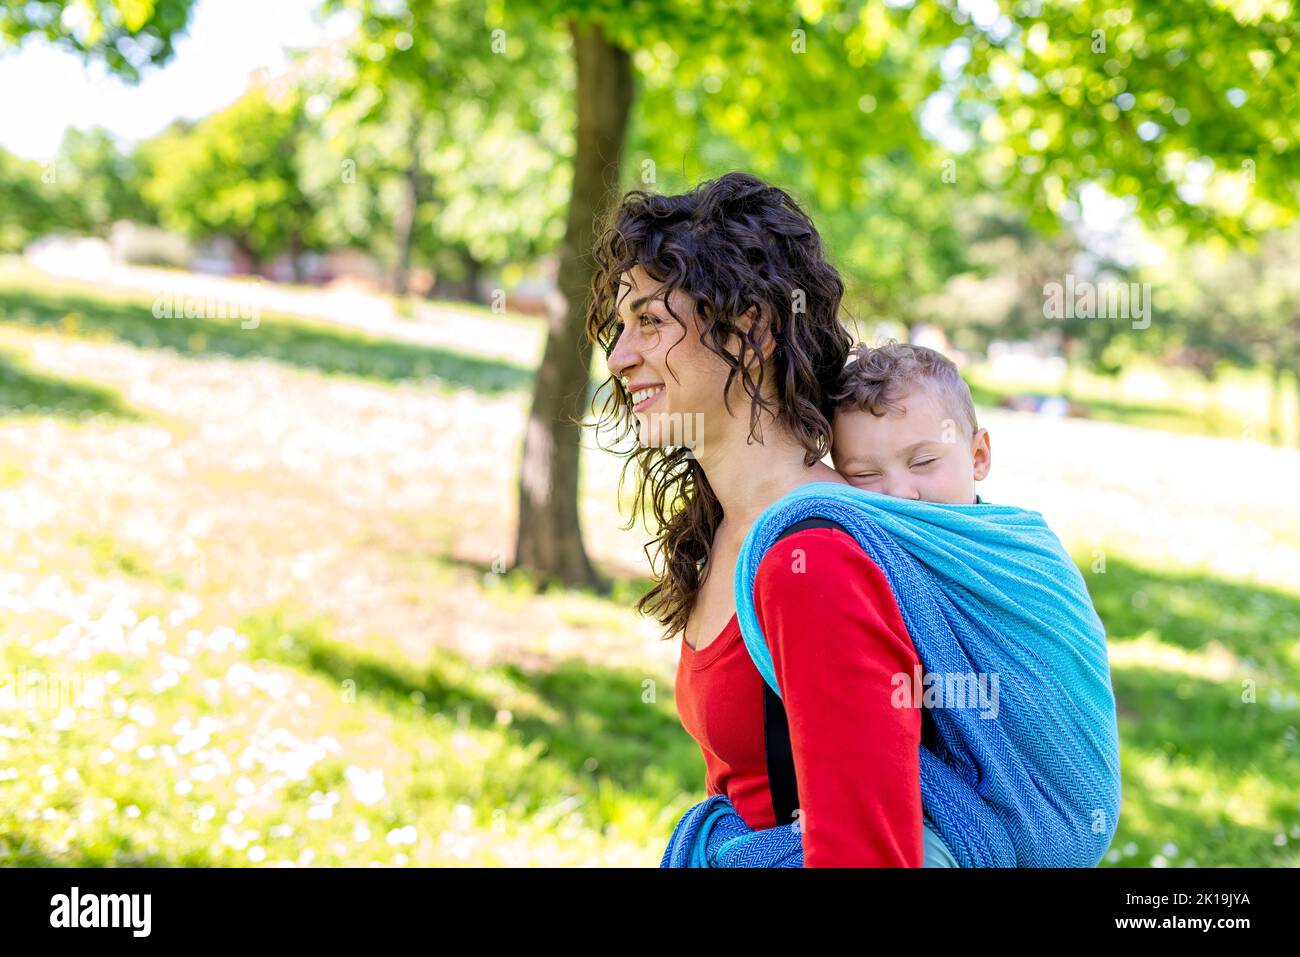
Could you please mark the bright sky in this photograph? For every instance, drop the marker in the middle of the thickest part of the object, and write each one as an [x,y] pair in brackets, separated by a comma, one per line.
[43,90]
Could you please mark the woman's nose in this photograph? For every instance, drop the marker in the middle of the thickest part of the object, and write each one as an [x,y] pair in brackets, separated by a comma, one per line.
[623,357]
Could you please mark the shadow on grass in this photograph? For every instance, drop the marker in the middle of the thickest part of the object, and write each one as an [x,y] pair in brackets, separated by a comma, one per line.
[23,392]
[1194,733]
[24,850]
[595,721]
[281,338]
[1201,739]
[1190,609]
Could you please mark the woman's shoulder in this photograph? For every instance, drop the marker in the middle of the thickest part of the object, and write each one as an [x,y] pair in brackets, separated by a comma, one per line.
[813,555]
[822,585]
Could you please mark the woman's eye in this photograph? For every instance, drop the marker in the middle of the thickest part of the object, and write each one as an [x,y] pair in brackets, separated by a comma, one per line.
[646,317]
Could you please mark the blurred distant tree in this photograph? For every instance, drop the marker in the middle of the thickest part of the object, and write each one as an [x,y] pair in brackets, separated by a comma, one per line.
[899,241]
[1228,305]
[453,142]
[98,182]
[126,35]
[238,173]
[29,206]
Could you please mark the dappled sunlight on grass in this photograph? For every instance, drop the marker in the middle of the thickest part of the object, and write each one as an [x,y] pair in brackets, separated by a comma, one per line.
[291,340]
[276,744]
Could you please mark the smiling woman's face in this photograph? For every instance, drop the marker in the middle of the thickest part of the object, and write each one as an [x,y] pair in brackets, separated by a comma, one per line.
[673,396]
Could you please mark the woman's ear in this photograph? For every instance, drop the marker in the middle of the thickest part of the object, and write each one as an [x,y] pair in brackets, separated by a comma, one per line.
[767,344]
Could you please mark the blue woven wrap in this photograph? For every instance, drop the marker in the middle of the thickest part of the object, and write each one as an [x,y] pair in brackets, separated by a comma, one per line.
[985,591]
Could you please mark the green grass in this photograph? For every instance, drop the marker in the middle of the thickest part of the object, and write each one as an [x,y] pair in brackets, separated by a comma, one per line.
[561,765]
[1206,674]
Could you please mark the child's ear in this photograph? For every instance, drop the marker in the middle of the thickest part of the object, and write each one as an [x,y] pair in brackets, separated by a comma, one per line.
[982,454]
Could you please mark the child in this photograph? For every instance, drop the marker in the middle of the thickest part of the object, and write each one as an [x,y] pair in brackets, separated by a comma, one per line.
[905,426]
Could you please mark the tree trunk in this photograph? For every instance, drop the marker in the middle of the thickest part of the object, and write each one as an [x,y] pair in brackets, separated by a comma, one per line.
[1067,353]
[1277,404]
[549,540]
[295,258]
[404,227]
[473,275]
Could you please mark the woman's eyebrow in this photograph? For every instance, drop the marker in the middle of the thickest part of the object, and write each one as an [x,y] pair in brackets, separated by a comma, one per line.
[648,297]
[636,304]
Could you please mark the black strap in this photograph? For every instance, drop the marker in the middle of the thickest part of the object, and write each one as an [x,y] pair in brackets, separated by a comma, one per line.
[776,728]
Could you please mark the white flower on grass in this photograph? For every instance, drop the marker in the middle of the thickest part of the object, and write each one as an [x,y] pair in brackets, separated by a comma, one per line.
[193,737]
[367,786]
[402,835]
[175,663]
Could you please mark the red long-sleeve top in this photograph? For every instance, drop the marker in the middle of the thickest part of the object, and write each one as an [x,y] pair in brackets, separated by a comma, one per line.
[837,640]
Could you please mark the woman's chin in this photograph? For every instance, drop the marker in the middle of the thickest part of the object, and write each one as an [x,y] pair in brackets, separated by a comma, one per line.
[662,428]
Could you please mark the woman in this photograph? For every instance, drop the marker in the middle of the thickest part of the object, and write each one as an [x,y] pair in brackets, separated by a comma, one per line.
[718,314]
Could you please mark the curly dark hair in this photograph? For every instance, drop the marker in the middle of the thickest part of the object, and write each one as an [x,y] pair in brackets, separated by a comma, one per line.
[732,244]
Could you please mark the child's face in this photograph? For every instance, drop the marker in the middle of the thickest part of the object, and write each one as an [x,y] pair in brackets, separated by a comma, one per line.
[921,453]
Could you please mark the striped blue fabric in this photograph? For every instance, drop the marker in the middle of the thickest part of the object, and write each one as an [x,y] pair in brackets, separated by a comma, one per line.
[1026,777]
[713,834]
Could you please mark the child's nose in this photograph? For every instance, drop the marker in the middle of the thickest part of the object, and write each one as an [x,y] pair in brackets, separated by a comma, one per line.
[901,488]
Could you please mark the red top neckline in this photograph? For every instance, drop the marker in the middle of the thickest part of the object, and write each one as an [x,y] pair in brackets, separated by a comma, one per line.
[725,639]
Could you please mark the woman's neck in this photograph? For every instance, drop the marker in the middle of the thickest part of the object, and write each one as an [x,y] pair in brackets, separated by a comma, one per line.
[747,477]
